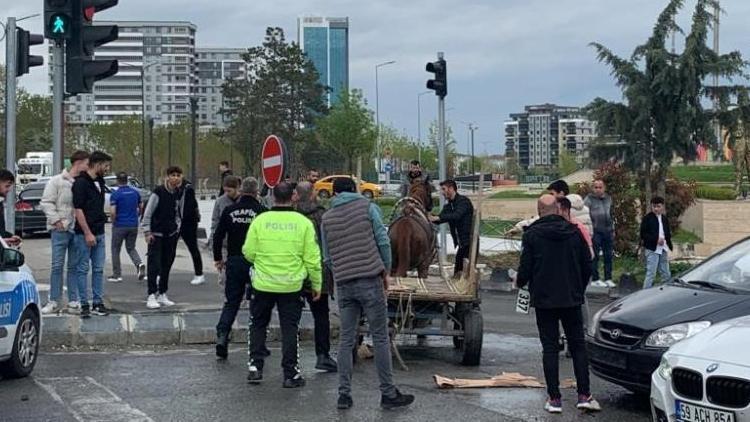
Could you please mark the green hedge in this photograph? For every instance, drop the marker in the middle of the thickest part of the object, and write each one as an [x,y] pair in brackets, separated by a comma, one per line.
[715,192]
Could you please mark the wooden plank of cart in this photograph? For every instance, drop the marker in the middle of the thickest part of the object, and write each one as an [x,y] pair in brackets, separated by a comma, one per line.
[441,305]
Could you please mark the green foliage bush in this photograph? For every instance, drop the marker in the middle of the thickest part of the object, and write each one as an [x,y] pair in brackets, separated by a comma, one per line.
[715,193]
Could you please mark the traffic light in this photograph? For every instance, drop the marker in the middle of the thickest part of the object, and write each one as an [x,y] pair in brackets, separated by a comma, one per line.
[24,60]
[81,70]
[57,19]
[440,83]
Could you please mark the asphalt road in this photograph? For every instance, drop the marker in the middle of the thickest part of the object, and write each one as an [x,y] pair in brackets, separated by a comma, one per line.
[188,384]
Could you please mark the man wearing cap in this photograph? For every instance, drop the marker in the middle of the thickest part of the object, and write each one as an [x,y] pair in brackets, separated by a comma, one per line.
[233,224]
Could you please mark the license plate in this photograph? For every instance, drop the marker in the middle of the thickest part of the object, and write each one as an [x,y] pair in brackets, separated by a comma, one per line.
[688,412]
[608,357]
[523,301]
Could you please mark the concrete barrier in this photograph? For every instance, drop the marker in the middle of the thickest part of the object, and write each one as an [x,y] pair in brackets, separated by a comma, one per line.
[718,223]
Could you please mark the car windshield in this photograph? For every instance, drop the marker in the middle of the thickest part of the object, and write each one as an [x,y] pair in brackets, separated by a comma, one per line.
[730,268]
[30,169]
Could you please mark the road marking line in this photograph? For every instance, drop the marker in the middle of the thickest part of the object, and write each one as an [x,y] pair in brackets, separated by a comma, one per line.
[86,400]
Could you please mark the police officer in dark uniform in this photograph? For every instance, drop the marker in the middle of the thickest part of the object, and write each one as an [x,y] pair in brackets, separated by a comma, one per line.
[234,223]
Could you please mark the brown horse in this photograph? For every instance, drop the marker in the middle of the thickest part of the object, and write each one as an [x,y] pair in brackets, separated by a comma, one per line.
[412,236]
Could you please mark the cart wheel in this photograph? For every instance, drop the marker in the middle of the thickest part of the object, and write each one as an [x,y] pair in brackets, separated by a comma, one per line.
[472,341]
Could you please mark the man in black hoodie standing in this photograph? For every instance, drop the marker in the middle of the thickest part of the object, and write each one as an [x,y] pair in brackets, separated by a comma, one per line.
[556,265]
[234,222]
[458,212]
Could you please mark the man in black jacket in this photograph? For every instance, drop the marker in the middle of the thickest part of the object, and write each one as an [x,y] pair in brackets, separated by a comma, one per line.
[307,204]
[189,230]
[657,242]
[458,212]
[234,222]
[556,265]
[161,224]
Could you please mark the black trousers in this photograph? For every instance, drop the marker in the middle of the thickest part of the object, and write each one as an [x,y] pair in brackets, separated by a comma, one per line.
[320,312]
[289,307]
[189,234]
[461,254]
[236,284]
[161,253]
[548,322]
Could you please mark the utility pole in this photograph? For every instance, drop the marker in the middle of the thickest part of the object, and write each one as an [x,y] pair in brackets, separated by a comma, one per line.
[193,139]
[10,119]
[717,124]
[151,152]
[58,98]
[472,128]
[443,173]
[379,147]
[169,148]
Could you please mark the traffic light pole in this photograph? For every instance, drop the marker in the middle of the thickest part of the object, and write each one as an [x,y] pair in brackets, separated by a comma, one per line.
[58,97]
[10,120]
[443,170]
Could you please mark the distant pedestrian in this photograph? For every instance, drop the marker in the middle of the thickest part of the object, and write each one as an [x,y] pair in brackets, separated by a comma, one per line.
[656,238]
[88,201]
[126,208]
[57,204]
[600,206]
[161,224]
[191,216]
[416,175]
[307,205]
[458,213]
[357,250]
[225,171]
[231,187]
[233,226]
[282,248]
[313,175]
[7,180]
[556,265]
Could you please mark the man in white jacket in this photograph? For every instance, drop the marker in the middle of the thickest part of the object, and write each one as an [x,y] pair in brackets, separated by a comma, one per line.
[57,204]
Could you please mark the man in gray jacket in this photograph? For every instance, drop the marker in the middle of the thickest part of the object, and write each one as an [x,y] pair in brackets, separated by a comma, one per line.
[57,204]
[231,189]
[600,206]
[360,263]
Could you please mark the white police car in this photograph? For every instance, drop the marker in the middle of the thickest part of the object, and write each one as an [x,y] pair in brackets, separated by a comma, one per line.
[20,322]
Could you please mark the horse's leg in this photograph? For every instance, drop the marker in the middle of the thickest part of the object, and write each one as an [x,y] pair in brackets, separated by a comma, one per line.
[404,257]
[394,257]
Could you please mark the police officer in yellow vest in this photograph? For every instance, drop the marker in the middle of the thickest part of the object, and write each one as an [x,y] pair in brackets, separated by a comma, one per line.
[282,246]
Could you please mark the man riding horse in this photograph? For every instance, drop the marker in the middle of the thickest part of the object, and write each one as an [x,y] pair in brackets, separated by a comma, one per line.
[412,236]
[416,176]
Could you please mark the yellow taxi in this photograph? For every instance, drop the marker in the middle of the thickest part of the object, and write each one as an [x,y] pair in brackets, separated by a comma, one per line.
[324,187]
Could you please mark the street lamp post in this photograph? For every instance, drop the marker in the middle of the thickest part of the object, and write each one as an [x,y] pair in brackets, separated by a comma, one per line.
[419,124]
[377,111]
[143,115]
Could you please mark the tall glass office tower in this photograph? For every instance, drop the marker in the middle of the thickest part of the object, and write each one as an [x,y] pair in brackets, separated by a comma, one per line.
[326,43]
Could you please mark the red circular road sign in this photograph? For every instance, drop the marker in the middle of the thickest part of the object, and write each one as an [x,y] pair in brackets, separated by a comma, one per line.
[273,161]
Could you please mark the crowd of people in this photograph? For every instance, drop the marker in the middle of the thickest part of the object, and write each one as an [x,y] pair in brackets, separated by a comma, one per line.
[280,248]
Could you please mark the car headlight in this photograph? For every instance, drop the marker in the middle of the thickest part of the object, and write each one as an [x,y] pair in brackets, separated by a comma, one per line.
[665,369]
[667,336]
[594,323]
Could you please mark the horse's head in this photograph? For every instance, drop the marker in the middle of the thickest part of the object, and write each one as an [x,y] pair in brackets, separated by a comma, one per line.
[418,191]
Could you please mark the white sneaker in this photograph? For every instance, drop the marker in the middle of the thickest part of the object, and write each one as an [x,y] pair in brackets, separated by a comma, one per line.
[610,283]
[50,308]
[598,283]
[152,303]
[198,280]
[74,307]
[164,300]
[113,279]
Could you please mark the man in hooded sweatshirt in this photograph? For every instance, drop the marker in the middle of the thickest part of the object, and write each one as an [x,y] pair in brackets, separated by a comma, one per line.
[556,265]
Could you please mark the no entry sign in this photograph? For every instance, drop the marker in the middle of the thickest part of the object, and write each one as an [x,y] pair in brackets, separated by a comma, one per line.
[273,161]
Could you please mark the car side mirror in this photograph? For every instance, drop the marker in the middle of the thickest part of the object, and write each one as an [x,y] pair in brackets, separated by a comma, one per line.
[12,258]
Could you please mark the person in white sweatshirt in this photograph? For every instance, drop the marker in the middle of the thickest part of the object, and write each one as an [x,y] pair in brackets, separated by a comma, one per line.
[57,204]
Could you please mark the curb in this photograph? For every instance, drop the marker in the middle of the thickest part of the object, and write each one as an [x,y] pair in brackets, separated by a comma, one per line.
[156,328]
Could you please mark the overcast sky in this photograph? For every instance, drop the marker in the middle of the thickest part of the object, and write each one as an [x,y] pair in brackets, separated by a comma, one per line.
[502,54]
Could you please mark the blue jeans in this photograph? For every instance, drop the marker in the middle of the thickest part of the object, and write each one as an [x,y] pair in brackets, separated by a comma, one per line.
[357,297]
[62,244]
[96,255]
[656,262]
[603,241]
